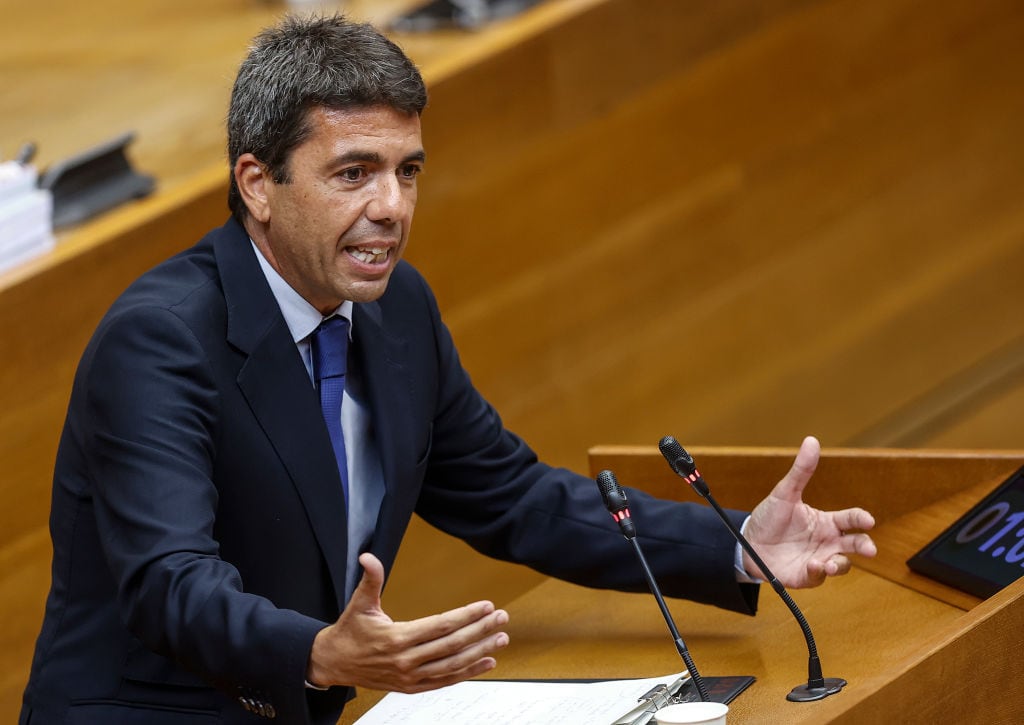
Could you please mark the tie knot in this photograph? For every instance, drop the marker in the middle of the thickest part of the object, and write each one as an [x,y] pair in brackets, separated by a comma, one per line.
[330,348]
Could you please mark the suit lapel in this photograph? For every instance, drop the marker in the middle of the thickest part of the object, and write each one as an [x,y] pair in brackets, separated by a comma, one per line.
[389,389]
[276,385]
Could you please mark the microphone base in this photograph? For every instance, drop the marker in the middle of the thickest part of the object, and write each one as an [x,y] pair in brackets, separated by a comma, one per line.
[806,693]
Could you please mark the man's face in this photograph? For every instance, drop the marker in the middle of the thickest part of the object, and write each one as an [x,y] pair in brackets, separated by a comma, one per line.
[336,231]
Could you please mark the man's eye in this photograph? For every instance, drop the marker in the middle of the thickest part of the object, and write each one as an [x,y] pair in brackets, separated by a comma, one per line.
[410,171]
[353,174]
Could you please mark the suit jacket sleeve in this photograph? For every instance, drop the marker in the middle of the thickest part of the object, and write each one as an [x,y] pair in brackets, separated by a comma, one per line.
[486,486]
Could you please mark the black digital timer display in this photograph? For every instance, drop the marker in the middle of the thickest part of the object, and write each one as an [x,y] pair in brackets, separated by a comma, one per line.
[984,550]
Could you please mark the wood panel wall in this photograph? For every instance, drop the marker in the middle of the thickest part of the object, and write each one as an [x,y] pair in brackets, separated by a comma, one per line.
[736,228]
[734,222]
[811,224]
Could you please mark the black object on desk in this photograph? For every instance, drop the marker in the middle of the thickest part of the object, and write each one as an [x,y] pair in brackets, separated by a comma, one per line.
[94,181]
[720,689]
[462,14]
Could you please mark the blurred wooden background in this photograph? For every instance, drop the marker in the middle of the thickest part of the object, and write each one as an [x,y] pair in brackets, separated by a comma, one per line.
[733,221]
[740,229]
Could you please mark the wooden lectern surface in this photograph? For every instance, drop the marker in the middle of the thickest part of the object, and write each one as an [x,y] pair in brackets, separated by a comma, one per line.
[911,649]
[907,656]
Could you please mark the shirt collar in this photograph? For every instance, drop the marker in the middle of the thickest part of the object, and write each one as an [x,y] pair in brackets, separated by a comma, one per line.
[300,316]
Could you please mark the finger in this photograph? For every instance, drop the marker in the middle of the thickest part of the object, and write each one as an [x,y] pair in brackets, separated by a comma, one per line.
[438,626]
[792,485]
[815,572]
[818,569]
[861,544]
[855,543]
[372,567]
[368,591]
[837,565]
[432,683]
[465,658]
[455,657]
[480,637]
[853,519]
[393,682]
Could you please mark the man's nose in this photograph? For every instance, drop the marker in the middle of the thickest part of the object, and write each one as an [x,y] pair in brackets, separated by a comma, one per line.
[390,200]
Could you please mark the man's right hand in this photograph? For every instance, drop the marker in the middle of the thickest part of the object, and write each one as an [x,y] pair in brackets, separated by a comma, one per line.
[366,648]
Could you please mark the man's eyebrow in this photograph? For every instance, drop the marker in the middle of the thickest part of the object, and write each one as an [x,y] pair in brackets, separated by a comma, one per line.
[369,157]
[372,157]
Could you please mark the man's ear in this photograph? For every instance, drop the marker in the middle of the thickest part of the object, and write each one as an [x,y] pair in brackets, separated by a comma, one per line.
[253,179]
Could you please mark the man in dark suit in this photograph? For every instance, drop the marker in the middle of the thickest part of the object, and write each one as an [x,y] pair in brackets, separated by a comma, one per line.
[222,535]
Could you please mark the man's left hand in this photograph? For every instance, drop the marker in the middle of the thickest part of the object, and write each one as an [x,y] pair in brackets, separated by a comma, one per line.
[800,544]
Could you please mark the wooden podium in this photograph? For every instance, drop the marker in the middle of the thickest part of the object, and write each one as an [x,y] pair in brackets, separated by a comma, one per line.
[912,650]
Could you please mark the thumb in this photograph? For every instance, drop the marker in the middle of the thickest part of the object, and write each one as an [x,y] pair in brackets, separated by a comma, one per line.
[367,593]
[791,487]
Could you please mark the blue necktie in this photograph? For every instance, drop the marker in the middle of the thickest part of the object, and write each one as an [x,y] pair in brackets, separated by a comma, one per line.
[330,355]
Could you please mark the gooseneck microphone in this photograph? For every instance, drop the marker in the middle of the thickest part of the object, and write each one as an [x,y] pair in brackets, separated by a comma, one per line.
[615,501]
[817,687]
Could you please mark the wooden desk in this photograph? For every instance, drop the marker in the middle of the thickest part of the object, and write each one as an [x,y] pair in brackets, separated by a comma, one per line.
[868,630]
[561,630]
[907,656]
[911,649]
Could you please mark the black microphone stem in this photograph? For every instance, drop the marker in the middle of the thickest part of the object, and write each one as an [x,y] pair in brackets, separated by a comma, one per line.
[615,501]
[815,679]
[817,686]
[680,644]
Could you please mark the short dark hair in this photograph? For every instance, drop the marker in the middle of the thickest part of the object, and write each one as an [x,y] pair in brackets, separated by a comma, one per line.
[303,63]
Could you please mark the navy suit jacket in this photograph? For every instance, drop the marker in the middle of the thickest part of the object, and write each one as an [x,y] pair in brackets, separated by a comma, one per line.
[198,521]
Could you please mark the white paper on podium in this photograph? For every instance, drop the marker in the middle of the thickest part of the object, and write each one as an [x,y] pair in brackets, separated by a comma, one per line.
[498,702]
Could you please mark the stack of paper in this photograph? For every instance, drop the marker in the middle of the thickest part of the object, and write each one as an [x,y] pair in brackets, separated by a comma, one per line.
[517,703]
[26,215]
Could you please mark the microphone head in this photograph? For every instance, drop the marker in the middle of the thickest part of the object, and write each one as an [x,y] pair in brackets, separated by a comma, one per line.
[677,457]
[616,503]
[611,492]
